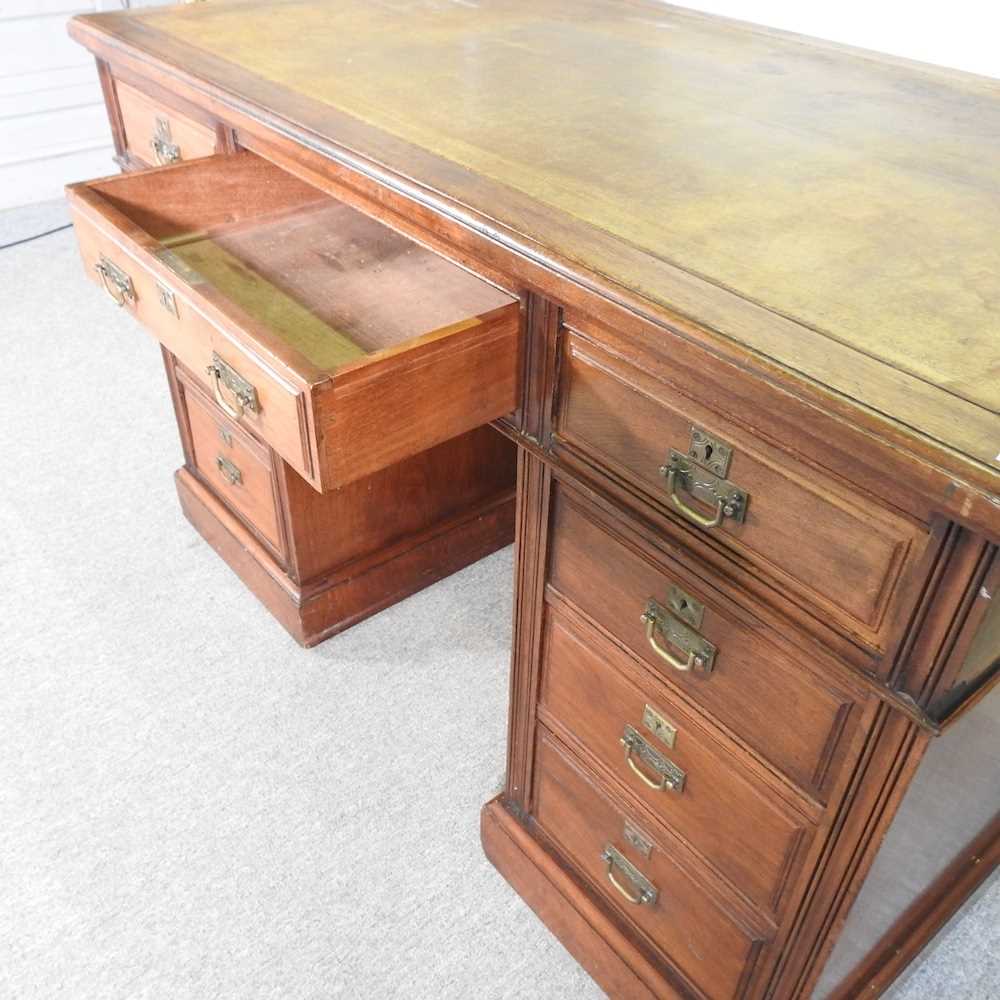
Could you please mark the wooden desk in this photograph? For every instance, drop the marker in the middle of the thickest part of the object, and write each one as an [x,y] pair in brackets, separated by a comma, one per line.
[733,294]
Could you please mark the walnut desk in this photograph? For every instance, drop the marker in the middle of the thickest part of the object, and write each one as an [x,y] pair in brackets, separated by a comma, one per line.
[731,297]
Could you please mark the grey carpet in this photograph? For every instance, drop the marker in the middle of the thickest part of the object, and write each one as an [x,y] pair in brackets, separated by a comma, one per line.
[193,807]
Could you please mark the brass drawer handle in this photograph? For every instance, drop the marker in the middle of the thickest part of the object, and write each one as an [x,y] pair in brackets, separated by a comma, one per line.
[165,149]
[244,394]
[669,777]
[682,472]
[231,473]
[645,893]
[662,651]
[116,282]
[700,652]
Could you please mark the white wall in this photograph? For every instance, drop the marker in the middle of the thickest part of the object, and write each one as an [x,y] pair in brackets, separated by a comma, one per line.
[53,128]
[964,34]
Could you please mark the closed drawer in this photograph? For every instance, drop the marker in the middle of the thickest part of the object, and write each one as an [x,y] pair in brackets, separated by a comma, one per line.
[235,466]
[799,720]
[342,344]
[842,555]
[698,931]
[688,775]
[156,134]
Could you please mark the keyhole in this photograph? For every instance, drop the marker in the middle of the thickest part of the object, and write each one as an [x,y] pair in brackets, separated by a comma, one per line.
[708,452]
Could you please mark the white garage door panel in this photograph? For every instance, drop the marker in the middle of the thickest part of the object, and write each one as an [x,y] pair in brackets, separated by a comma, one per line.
[47,79]
[53,127]
[32,43]
[46,178]
[36,93]
[46,133]
[34,8]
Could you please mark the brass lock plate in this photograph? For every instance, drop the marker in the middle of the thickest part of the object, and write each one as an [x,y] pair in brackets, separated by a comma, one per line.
[166,299]
[673,776]
[236,384]
[637,840]
[711,452]
[710,489]
[665,732]
[681,635]
[686,607]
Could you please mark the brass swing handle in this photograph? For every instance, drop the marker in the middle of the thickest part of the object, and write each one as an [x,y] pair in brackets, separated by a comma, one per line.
[643,893]
[243,393]
[683,473]
[165,149]
[116,282]
[668,776]
[230,472]
[700,652]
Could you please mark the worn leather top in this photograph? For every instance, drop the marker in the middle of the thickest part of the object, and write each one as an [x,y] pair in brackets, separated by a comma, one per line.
[834,210]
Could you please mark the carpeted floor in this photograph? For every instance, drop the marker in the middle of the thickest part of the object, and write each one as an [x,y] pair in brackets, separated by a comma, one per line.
[193,807]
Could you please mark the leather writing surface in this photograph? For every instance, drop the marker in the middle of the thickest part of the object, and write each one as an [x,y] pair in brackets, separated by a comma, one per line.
[855,196]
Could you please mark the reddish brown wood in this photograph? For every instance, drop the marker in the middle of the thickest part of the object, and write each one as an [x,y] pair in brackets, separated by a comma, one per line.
[851,602]
[143,120]
[323,561]
[539,373]
[731,813]
[531,539]
[972,666]
[402,331]
[705,935]
[834,657]
[581,923]
[330,529]
[238,468]
[111,105]
[359,588]
[959,578]
[610,576]
[408,399]
[844,554]
[240,96]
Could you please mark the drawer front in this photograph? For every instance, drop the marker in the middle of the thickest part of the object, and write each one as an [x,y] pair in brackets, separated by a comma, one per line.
[344,345]
[158,135]
[687,922]
[235,466]
[688,775]
[161,306]
[790,715]
[841,552]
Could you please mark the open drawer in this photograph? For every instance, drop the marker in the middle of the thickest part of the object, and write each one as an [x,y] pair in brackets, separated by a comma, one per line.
[344,345]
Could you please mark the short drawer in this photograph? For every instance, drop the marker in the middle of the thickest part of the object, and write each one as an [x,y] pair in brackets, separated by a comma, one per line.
[156,134]
[694,928]
[799,720]
[688,774]
[344,345]
[233,465]
[841,553]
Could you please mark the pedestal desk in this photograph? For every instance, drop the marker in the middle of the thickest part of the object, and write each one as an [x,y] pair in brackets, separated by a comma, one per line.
[722,303]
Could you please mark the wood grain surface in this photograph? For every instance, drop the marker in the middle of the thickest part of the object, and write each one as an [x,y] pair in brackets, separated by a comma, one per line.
[832,210]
